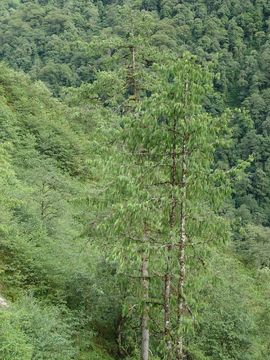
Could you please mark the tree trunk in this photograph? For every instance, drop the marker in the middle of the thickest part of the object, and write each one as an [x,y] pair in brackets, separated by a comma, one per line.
[182,259]
[167,322]
[133,82]
[182,242]
[145,310]
[168,275]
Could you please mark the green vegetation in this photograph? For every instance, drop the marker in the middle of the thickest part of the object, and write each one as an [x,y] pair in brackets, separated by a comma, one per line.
[134,177]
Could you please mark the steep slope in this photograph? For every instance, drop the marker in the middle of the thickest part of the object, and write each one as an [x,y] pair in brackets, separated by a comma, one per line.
[59,160]
[43,252]
[67,43]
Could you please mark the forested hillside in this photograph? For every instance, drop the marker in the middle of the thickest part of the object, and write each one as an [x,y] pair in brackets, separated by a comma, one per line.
[135,179]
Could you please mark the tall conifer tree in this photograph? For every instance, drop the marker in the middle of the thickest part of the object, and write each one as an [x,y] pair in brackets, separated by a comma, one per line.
[176,139]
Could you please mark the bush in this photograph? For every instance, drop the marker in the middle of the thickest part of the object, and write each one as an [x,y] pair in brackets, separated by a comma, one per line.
[14,343]
[31,330]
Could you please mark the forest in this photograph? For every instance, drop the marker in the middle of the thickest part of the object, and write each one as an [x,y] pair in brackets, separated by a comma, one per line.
[135,180]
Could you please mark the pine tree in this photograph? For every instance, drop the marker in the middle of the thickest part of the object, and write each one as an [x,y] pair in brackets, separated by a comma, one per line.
[175,139]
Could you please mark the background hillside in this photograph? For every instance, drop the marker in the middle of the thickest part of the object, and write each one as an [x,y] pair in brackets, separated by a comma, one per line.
[67,87]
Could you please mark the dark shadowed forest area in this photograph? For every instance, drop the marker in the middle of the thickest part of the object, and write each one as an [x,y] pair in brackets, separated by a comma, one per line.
[134,180]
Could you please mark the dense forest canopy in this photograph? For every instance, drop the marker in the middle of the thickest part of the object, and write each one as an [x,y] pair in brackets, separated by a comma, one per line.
[135,179]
